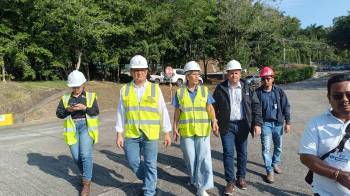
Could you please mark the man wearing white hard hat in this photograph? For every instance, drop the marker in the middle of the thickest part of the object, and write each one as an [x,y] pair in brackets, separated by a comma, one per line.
[238,111]
[141,115]
[194,117]
[79,110]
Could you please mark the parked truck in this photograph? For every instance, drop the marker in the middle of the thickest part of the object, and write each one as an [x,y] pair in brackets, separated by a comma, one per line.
[178,77]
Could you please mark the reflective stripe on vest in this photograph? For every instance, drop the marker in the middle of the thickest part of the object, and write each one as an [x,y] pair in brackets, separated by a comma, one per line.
[194,118]
[91,121]
[143,116]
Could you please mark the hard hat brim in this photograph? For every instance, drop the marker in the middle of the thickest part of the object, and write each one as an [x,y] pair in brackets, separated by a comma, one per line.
[192,70]
[76,84]
[240,69]
[139,67]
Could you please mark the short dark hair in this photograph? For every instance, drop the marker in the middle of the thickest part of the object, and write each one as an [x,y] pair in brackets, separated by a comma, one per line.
[335,79]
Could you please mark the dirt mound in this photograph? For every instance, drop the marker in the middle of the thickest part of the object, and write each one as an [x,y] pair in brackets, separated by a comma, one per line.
[107,93]
[40,105]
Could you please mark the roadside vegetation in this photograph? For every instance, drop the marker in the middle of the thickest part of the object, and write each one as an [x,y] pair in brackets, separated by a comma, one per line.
[293,73]
[45,39]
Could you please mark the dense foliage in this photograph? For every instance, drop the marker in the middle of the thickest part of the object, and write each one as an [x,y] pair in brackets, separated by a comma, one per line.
[43,39]
[293,74]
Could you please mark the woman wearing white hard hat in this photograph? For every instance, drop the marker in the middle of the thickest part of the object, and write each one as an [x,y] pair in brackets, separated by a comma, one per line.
[141,115]
[194,118]
[238,111]
[79,110]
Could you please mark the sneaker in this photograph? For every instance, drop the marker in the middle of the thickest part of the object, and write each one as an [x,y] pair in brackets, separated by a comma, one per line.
[277,169]
[230,188]
[269,177]
[242,184]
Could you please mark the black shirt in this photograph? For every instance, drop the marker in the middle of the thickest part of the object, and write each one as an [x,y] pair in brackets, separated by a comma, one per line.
[61,112]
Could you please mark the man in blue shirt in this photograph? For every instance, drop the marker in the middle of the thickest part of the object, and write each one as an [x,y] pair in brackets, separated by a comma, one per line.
[275,112]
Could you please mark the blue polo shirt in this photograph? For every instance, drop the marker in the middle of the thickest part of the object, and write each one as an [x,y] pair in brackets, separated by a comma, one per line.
[269,105]
[175,101]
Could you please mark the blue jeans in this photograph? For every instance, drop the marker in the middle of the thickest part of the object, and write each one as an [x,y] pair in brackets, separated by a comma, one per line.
[197,155]
[82,150]
[235,138]
[145,170]
[275,130]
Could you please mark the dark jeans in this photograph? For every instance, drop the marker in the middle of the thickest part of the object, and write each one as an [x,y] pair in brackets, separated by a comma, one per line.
[235,138]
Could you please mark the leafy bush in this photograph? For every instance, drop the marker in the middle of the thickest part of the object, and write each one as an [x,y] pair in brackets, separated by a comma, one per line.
[293,74]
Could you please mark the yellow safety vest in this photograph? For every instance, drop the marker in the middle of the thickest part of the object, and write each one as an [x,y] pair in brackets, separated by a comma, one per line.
[194,118]
[143,116]
[69,125]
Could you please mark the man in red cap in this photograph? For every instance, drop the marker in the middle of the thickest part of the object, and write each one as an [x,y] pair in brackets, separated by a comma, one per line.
[276,117]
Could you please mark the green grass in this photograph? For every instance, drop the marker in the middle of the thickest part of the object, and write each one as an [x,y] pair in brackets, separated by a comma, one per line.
[42,85]
[19,92]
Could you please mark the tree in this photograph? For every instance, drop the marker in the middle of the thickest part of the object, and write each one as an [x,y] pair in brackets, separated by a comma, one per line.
[340,32]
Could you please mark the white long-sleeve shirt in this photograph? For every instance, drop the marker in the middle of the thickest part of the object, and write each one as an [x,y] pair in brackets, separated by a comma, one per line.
[165,124]
[236,101]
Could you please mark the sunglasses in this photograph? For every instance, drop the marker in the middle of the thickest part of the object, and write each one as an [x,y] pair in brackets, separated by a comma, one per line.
[268,79]
[340,96]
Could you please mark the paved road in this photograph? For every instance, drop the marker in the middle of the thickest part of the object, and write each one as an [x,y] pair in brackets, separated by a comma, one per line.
[35,161]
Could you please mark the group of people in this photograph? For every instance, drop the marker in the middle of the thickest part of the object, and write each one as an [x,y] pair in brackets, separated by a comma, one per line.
[231,112]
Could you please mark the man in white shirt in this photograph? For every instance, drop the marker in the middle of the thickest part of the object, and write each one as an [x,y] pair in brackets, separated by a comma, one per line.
[141,115]
[322,134]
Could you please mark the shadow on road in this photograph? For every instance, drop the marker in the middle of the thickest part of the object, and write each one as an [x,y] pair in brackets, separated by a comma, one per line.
[58,167]
[264,188]
[215,155]
[62,165]
[218,155]
[120,159]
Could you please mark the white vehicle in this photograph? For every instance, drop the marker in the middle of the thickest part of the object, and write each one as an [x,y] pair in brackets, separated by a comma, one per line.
[178,78]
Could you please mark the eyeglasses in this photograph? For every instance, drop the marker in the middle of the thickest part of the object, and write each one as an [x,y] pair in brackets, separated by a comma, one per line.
[340,96]
[268,79]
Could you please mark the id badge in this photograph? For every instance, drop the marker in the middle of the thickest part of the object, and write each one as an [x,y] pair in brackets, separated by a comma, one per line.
[338,160]
[275,106]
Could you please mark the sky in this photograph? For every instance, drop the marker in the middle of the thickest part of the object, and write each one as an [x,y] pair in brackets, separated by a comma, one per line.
[320,12]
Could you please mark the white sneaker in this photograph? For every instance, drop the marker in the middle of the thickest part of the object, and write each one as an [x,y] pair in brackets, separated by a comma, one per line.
[203,193]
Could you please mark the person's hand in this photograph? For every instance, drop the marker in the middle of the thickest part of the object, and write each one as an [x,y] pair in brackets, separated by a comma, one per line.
[167,140]
[70,109]
[257,131]
[287,128]
[120,141]
[215,128]
[79,106]
[344,179]
[76,107]
[176,134]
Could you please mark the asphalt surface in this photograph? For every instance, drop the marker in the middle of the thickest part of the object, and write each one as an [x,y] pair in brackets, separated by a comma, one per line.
[35,160]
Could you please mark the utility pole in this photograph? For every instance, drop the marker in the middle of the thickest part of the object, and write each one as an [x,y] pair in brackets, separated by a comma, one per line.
[284,52]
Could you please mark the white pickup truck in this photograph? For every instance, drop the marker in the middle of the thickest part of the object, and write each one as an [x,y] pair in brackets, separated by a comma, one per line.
[178,78]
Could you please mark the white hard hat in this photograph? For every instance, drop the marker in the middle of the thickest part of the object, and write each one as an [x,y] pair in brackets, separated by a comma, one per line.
[76,79]
[138,61]
[192,66]
[233,65]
